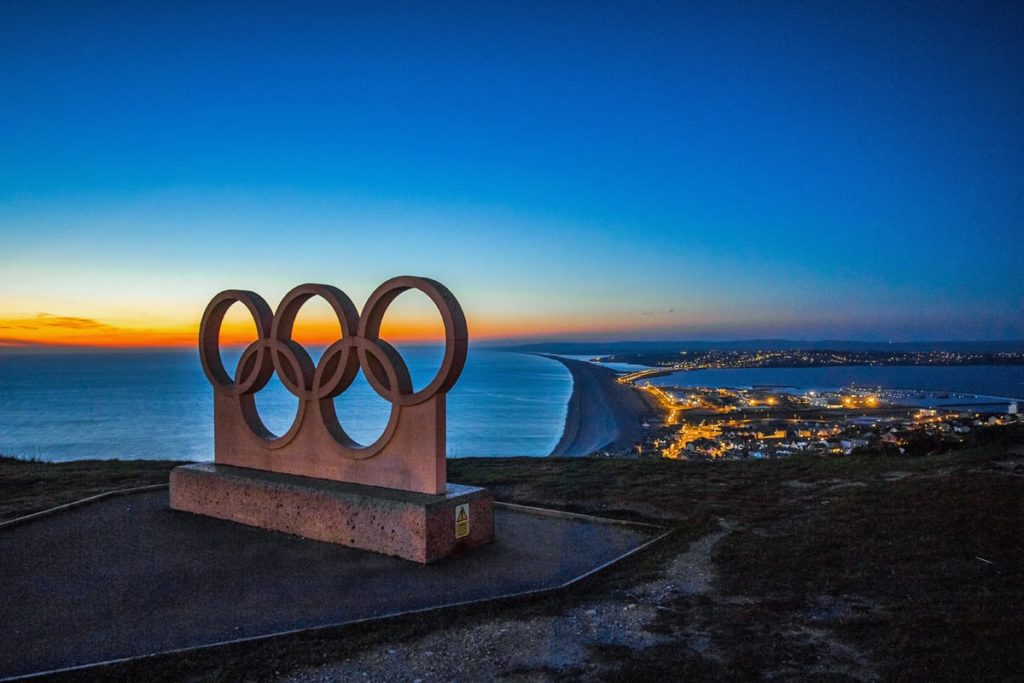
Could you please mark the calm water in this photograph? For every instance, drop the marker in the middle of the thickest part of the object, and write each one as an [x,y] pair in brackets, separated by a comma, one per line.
[988,380]
[159,405]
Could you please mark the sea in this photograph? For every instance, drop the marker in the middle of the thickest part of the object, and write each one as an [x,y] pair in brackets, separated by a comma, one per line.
[988,386]
[159,404]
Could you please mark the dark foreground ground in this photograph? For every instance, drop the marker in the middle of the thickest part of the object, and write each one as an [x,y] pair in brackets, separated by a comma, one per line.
[126,577]
[857,568]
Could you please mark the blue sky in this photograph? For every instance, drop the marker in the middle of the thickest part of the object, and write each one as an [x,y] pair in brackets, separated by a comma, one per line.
[599,170]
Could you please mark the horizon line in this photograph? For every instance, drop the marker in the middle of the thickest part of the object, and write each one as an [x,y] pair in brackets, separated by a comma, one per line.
[518,342]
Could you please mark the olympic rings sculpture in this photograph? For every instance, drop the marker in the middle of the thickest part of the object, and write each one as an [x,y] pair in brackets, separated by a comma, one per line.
[316,385]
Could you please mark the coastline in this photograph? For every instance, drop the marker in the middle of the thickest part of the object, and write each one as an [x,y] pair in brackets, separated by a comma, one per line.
[602,413]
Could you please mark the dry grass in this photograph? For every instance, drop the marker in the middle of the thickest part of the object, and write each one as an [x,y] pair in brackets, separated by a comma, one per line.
[28,486]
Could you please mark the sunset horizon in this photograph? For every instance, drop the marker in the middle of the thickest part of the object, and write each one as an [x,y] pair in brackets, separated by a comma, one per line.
[659,172]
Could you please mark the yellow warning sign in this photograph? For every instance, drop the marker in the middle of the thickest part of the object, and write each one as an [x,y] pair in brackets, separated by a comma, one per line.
[462,521]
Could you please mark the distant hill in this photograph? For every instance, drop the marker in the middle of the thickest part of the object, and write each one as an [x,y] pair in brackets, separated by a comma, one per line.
[623,347]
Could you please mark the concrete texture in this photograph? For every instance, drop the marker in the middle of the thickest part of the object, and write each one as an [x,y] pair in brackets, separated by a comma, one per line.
[127,576]
[410,453]
[413,526]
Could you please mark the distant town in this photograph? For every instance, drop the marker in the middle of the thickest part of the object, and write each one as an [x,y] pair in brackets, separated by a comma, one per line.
[664,362]
[707,423]
[712,423]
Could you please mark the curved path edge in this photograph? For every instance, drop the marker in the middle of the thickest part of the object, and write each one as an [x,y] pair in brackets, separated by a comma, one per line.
[657,535]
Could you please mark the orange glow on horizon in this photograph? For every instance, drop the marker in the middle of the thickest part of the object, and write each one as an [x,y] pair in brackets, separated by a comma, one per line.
[100,336]
[47,330]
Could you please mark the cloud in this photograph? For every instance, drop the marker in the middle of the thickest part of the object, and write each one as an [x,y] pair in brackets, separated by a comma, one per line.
[44,321]
[14,342]
[47,329]
[66,331]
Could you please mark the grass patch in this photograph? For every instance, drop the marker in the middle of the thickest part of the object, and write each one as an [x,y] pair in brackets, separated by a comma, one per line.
[28,486]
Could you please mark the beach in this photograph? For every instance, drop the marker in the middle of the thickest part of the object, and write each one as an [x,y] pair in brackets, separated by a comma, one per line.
[602,413]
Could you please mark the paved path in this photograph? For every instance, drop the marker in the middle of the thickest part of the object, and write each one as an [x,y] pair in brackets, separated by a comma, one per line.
[127,576]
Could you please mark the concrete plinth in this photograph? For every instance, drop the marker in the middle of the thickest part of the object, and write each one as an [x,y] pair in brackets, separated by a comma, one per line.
[414,526]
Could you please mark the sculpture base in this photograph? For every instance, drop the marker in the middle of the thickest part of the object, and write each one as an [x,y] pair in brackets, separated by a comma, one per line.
[414,526]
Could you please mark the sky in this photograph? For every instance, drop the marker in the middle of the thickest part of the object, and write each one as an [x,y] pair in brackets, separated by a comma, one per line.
[683,170]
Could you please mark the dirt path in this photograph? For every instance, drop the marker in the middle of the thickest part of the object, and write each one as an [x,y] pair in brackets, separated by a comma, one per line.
[540,648]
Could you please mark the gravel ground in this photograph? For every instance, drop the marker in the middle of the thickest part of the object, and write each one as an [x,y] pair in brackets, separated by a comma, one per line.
[541,647]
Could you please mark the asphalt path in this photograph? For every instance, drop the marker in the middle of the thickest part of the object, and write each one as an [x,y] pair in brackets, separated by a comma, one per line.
[128,576]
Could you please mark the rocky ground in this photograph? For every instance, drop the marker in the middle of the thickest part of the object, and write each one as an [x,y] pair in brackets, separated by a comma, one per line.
[857,568]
